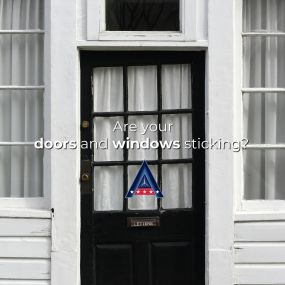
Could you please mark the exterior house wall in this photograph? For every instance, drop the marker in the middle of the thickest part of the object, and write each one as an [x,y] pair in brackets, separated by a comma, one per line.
[259,250]
[25,247]
[242,247]
[259,226]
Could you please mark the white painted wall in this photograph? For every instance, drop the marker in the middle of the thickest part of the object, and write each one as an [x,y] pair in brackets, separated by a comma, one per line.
[249,252]
[25,247]
[259,250]
[219,124]
[65,126]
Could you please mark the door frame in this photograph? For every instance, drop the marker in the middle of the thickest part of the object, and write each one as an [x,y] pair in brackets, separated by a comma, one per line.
[63,84]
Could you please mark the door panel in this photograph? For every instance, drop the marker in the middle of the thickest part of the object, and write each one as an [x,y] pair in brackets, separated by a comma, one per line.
[171,263]
[117,245]
[115,260]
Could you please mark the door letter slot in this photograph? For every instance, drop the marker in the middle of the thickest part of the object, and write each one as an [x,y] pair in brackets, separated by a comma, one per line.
[145,222]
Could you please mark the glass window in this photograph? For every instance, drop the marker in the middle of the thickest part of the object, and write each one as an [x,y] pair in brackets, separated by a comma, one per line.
[142,15]
[146,103]
[21,97]
[264,98]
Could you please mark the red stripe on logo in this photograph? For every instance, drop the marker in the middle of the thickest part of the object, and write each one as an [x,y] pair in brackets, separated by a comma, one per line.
[144,191]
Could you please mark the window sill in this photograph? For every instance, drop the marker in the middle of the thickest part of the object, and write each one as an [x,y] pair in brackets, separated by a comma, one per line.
[25,213]
[263,206]
[261,210]
[144,36]
[40,204]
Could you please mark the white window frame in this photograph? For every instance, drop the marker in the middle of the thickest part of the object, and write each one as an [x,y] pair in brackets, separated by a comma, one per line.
[241,204]
[96,25]
[33,202]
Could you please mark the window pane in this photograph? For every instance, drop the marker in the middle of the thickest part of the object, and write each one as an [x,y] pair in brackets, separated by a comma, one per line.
[264,62]
[177,186]
[143,149]
[21,58]
[21,171]
[264,174]
[26,123]
[141,202]
[176,86]
[264,118]
[108,89]
[264,16]
[104,136]
[147,15]
[181,131]
[108,188]
[21,15]
[142,88]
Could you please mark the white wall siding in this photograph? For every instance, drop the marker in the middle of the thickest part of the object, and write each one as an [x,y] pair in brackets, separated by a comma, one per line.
[25,247]
[260,253]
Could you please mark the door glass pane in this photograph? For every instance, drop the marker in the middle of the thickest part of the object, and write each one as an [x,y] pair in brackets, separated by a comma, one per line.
[142,139]
[108,89]
[105,139]
[108,188]
[176,86]
[142,88]
[180,133]
[177,186]
[264,118]
[147,15]
[264,174]
[141,202]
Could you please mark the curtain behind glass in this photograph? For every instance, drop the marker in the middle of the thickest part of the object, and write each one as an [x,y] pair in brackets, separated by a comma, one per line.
[142,92]
[264,116]
[21,111]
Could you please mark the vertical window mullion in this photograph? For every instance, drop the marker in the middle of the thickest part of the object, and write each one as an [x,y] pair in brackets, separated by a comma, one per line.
[126,134]
[159,135]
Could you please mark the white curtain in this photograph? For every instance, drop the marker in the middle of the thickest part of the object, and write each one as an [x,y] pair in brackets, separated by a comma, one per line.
[264,116]
[142,96]
[21,111]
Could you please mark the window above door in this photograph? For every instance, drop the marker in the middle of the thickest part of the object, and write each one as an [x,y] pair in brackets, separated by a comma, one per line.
[143,20]
[144,15]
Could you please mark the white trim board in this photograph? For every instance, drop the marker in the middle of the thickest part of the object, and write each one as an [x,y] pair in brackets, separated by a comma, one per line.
[219,124]
[247,216]
[130,45]
[64,125]
[24,213]
[25,203]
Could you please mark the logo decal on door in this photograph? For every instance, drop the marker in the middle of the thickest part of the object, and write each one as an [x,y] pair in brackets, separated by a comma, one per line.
[144,183]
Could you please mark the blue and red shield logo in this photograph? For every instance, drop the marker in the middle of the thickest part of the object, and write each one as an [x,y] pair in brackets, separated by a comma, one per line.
[144,183]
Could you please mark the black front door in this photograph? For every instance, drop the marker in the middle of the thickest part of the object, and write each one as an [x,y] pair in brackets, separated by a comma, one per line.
[132,103]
